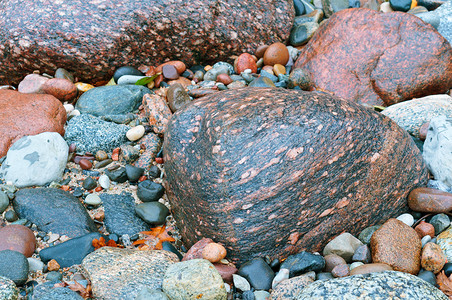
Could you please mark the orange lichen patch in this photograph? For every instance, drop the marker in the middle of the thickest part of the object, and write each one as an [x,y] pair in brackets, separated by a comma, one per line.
[157,235]
[99,243]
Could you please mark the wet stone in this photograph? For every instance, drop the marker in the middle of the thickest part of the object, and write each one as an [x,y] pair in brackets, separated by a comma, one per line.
[428,276]
[89,183]
[303,262]
[433,258]
[126,70]
[150,191]
[301,34]
[152,212]
[177,97]
[333,260]
[340,271]
[258,273]
[134,173]
[370,268]
[343,245]
[4,202]
[429,200]
[440,222]
[119,175]
[18,238]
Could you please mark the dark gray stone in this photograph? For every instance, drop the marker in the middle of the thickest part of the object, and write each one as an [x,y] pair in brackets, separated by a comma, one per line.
[118,175]
[54,210]
[302,33]
[91,134]
[428,276]
[89,183]
[4,201]
[303,262]
[150,191]
[258,273]
[152,212]
[111,100]
[71,252]
[60,293]
[14,265]
[120,217]
[125,70]
[54,276]
[440,222]
[366,234]
[134,173]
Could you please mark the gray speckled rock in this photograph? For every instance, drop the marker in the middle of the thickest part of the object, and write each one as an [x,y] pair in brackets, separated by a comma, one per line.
[122,273]
[92,134]
[412,114]
[8,290]
[194,279]
[53,210]
[290,288]
[120,216]
[35,160]
[384,285]
[111,100]
[441,19]
[444,240]
[14,265]
[47,291]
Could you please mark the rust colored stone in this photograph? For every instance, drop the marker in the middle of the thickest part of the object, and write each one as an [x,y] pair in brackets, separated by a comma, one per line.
[382,57]
[213,252]
[433,258]
[316,165]
[424,228]
[333,260]
[17,238]
[224,78]
[28,114]
[276,53]
[158,80]
[226,271]
[133,33]
[340,271]
[430,200]
[423,131]
[260,51]
[32,84]
[53,265]
[85,164]
[62,89]
[245,61]
[157,111]
[195,251]
[370,268]
[179,65]
[397,245]
[182,80]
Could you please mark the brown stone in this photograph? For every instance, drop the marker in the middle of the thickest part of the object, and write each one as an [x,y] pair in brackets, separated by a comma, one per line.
[433,258]
[195,251]
[430,200]
[85,164]
[423,131]
[340,271]
[268,69]
[179,65]
[245,61]
[177,97]
[62,89]
[397,245]
[383,57]
[362,254]
[284,176]
[32,84]
[213,252]
[333,260]
[28,114]
[424,228]
[276,53]
[370,268]
[17,238]
[181,80]
[53,265]
[224,78]
[226,271]
[260,51]
[279,69]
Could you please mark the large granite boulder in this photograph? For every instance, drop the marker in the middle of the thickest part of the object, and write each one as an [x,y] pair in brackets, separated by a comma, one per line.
[28,114]
[272,172]
[132,32]
[383,57]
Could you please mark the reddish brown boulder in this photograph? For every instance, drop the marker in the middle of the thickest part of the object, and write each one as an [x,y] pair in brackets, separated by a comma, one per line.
[397,245]
[430,200]
[377,58]
[132,32]
[17,238]
[28,114]
[273,171]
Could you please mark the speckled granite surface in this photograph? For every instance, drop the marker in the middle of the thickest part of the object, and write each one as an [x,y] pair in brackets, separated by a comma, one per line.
[92,38]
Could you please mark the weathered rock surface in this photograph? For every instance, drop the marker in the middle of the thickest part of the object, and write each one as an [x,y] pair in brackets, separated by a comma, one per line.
[8,290]
[53,210]
[132,33]
[20,117]
[121,273]
[384,285]
[383,57]
[276,185]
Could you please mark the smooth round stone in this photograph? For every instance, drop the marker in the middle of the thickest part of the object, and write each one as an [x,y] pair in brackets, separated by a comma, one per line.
[68,108]
[170,72]
[119,175]
[276,53]
[93,199]
[154,172]
[177,96]
[241,283]
[324,276]
[134,173]
[262,82]
[101,155]
[85,164]
[425,240]
[213,252]
[11,216]
[261,295]
[126,70]
[279,69]
[300,78]
[299,8]
[152,212]
[224,64]
[333,260]
[440,222]
[18,238]
[104,181]
[260,51]
[424,228]
[258,273]
[224,78]
[149,191]
[135,133]
[64,74]
[282,275]
[14,265]
[355,265]
[407,219]
[245,61]
[129,79]
[34,264]
[169,247]
[366,234]
[428,276]
[4,201]
[432,258]
[303,262]
[199,75]
[400,5]
[447,269]
[370,268]
[302,33]
[89,183]
[54,276]
[340,271]
[62,89]
[430,200]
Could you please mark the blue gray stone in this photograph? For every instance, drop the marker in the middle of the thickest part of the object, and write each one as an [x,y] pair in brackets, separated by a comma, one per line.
[92,134]
[14,266]
[8,290]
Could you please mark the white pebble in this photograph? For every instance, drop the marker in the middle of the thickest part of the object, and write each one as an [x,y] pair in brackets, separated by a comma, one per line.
[104,181]
[261,295]
[241,283]
[53,237]
[310,274]
[282,275]
[34,264]
[425,240]
[227,287]
[355,264]
[74,113]
[93,199]
[69,108]
[135,133]
[386,7]
[129,79]
[407,219]
[247,71]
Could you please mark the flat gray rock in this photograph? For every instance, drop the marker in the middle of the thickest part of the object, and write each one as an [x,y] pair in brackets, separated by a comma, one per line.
[91,134]
[122,273]
[35,160]
[54,210]
[384,285]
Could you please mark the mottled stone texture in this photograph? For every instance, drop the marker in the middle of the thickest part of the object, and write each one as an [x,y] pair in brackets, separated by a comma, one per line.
[272,172]
[92,38]
[19,116]
[377,58]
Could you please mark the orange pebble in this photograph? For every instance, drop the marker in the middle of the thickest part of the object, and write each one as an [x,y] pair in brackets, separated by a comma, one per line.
[98,189]
[159,160]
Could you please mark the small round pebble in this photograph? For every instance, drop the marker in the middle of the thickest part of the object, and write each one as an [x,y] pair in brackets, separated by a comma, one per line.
[150,191]
[276,53]
[54,276]
[340,271]
[214,252]
[355,264]
[85,164]
[11,216]
[428,276]
[93,199]
[89,183]
[135,133]
[407,219]
[101,155]
[104,181]
[424,228]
